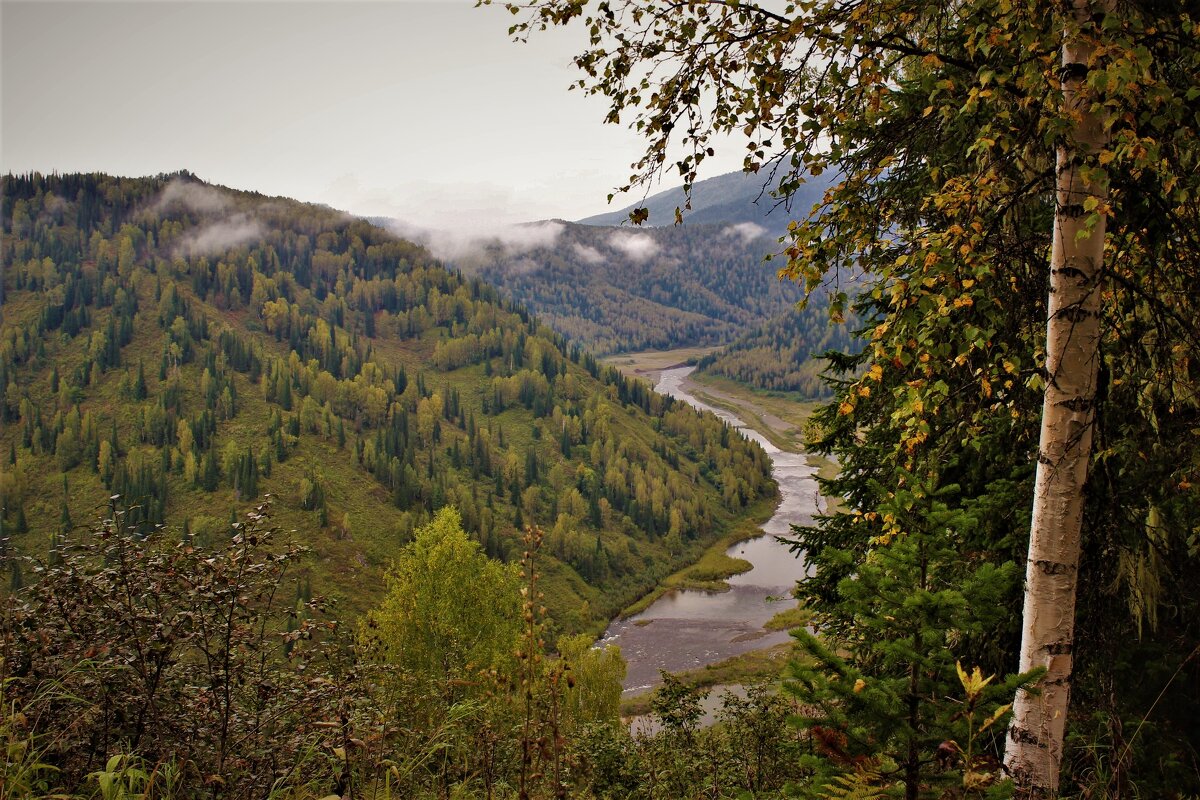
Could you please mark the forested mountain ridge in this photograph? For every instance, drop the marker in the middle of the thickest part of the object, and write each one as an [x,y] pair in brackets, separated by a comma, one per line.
[190,348]
[613,287]
[619,289]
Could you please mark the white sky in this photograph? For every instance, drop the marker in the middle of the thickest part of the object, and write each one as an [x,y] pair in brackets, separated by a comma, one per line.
[425,111]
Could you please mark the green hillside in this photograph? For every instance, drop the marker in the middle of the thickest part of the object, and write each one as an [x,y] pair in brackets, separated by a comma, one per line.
[190,348]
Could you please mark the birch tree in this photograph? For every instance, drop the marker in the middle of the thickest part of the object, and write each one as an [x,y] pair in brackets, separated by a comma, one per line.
[1034,753]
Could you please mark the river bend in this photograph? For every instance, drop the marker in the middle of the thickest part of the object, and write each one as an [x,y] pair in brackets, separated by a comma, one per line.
[688,629]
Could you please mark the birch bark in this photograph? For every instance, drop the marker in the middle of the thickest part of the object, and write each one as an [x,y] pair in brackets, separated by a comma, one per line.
[1033,754]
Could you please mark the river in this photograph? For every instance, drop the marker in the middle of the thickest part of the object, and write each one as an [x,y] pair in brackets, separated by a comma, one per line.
[688,629]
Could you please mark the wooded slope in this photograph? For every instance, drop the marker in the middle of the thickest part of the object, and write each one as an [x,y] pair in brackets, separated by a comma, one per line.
[190,348]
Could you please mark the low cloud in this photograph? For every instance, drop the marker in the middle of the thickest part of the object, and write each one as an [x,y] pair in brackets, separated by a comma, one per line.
[469,246]
[221,235]
[637,246]
[523,265]
[222,227]
[523,238]
[587,253]
[195,197]
[746,231]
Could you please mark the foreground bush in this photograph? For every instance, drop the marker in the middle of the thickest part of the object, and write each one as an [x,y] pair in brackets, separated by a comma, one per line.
[182,655]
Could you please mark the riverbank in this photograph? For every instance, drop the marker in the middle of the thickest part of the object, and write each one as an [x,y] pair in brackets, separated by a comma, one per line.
[710,572]
[782,425]
[649,364]
[757,666]
[781,420]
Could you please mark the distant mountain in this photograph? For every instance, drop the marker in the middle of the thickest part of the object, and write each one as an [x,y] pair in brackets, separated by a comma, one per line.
[189,348]
[620,289]
[732,199]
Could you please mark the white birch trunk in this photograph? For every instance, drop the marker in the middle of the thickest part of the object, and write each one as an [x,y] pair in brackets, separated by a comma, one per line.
[1033,754]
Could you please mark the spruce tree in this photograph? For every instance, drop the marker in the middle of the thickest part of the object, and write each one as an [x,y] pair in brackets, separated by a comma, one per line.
[878,685]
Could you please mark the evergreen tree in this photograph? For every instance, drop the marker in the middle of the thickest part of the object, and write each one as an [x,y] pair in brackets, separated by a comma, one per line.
[879,687]
[210,474]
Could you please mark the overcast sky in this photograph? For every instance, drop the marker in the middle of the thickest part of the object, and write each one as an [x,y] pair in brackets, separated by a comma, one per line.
[425,111]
